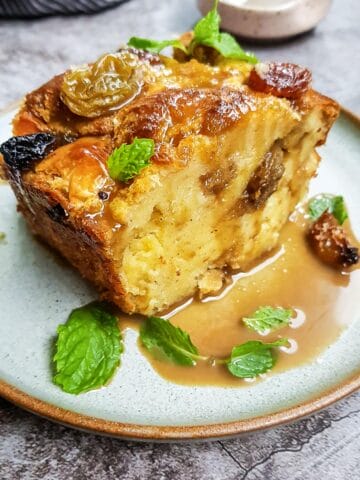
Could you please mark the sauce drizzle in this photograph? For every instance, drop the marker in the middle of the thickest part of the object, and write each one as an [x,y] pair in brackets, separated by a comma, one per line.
[292,277]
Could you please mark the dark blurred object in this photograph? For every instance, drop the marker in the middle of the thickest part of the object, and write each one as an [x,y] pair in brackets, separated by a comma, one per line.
[40,8]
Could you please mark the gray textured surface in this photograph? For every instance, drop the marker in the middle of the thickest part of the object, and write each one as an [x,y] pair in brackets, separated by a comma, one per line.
[327,443]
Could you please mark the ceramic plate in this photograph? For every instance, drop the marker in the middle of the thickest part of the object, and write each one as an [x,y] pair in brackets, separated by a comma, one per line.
[37,293]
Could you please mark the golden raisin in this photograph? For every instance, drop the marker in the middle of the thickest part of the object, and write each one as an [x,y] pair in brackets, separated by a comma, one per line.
[330,242]
[108,84]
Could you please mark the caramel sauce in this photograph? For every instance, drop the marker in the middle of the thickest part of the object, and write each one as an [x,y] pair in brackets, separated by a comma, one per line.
[292,277]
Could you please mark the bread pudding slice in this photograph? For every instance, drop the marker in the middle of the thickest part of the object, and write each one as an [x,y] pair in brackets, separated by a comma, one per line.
[230,164]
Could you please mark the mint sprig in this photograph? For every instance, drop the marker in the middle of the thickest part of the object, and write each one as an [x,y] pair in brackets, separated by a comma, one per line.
[208,26]
[267,319]
[127,161]
[253,358]
[166,341]
[207,33]
[88,349]
[331,203]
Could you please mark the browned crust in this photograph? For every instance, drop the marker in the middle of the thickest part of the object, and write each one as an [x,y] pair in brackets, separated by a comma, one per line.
[190,110]
[43,110]
[330,109]
[193,110]
[171,115]
[81,240]
[200,110]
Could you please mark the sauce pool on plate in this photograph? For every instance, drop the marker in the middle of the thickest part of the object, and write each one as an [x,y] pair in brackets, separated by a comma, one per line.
[292,277]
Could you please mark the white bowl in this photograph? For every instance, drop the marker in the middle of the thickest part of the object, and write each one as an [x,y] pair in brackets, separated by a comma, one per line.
[268,19]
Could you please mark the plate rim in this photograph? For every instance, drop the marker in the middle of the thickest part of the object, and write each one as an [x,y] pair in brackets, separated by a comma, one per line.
[167,433]
[129,431]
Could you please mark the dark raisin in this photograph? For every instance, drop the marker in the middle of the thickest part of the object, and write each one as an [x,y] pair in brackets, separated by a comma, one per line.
[263,182]
[217,180]
[103,195]
[57,213]
[20,153]
[280,79]
[265,179]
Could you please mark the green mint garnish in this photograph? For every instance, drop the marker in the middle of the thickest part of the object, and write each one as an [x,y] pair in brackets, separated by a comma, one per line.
[2,237]
[332,203]
[127,161]
[252,358]
[165,341]
[88,349]
[267,319]
[206,32]
[168,342]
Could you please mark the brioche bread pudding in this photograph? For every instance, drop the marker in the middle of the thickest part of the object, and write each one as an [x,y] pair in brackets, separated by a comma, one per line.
[156,176]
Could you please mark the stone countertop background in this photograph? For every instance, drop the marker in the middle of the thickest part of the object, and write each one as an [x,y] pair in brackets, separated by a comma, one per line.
[325,444]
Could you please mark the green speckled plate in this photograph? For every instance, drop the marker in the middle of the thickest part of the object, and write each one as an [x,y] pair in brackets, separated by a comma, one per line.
[37,293]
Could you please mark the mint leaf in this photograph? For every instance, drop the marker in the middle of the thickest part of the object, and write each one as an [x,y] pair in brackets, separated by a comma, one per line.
[88,349]
[208,26]
[127,161]
[339,209]
[154,46]
[318,206]
[266,319]
[229,48]
[252,358]
[2,237]
[332,203]
[164,340]
[207,32]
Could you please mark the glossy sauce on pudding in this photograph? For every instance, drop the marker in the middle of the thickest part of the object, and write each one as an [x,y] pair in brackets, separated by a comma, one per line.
[292,277]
